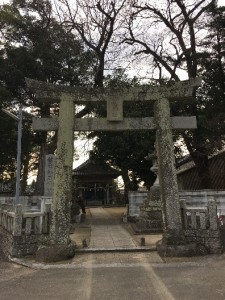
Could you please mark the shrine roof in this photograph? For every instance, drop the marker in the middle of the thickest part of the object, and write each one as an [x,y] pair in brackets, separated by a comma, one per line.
[186,163]
[92,168]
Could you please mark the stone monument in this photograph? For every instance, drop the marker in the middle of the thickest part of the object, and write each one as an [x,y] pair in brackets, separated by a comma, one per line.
[49,174]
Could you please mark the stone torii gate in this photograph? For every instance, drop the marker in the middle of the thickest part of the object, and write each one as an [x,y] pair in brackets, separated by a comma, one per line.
[66,124]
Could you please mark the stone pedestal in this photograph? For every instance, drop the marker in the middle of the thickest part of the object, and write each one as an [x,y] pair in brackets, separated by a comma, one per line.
[150,220]
[183,250]
[54,253]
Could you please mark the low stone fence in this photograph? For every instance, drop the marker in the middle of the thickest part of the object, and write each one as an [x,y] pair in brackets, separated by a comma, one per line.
[199,199]
[23,230]
[200,226]
[195,199]
[29,203]
[199,210]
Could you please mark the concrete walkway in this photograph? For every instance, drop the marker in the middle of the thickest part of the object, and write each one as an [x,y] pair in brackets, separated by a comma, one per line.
[102,229]
[107,234]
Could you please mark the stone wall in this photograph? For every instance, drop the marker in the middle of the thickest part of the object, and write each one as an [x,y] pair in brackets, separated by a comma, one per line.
[5,244]
[201,227]
[22,232]
[19,246]
[29,203]
[199,217]
[208,241]
[193,199]
[199,199]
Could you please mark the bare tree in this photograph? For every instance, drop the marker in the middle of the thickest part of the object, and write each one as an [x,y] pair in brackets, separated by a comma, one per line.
[171,33]
[97,23]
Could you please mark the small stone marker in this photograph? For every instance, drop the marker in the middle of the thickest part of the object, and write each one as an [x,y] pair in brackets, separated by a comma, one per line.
[49,174]
[142,241]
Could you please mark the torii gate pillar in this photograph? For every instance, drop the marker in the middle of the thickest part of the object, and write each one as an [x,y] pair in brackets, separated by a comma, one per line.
[167,174]
[59,232]
[61,247]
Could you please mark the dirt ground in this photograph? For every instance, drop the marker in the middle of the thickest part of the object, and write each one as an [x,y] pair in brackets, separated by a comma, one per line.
[116,212]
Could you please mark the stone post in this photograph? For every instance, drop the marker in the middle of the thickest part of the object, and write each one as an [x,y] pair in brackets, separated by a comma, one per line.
[60,223]
[212,208]
[167,174]
[17,226]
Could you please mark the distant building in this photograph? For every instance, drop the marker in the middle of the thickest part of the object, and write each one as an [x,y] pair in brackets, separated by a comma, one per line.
[188,178]
[95,182]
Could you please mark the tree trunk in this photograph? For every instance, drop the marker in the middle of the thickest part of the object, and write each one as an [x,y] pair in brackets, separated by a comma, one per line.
[202,166]
[127,183]
[200,159]
[99,76]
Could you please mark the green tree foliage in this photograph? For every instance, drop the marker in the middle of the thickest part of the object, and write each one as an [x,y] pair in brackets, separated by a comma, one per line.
[35,45]
[126,150]
[212,93]
[8,137]
[210,100]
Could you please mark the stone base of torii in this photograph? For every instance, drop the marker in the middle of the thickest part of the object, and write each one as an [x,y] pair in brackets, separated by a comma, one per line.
[173,242]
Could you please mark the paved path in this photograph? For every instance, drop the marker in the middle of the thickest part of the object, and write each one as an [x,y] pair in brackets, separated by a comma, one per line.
[106,233]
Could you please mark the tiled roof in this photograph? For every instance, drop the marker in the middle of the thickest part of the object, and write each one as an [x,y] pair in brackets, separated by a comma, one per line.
[186,163]
[91,167]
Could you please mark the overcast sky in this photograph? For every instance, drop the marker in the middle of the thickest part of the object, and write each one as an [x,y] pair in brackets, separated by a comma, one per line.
[220,2]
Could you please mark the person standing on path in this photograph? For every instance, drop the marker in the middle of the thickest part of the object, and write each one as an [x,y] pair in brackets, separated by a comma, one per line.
[81,203]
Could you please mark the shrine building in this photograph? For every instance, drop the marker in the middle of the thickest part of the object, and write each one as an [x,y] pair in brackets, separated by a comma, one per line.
[95,182]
